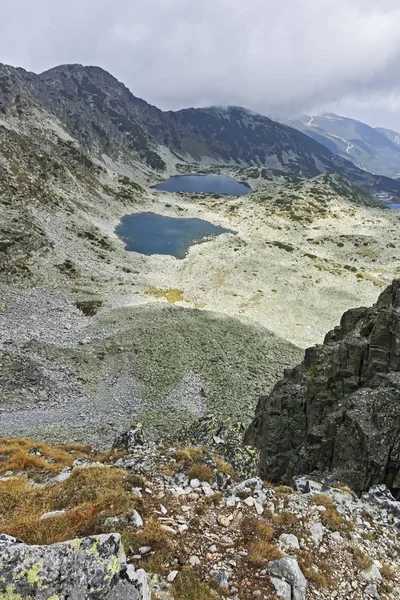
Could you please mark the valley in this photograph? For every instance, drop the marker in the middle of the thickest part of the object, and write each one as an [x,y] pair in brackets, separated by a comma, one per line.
[174,359]
[93,336]
[115,335]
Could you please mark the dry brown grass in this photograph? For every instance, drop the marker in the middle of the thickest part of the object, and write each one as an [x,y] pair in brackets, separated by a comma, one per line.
[189,453]
[74,523]
[107,488]
[335,522]
[14,456]
[135,480]
[268,484]
[322,500]
[251,528]
[188,586]
[361,560]
[261,552]
[152,534]
[168,473]
[264,531]
[79,448]
[320,577]
[257,535]
[223,467]
[215,500]
[371,536]
[331,518]
[284,489]
[387,572]
[87,493]
[286,521]
[343,488]
[201,472]
[157,562]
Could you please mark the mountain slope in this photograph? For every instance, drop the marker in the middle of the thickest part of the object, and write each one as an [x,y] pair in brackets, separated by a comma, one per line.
[370,149]
[108,121]
[393,136]
[210,135]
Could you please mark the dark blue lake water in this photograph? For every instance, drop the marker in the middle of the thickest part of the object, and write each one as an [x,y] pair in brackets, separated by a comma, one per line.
[394,205]
[204,184]
[148,233]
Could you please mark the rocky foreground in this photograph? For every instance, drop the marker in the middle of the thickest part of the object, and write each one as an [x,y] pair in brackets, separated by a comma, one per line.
[192,520]
[164,521]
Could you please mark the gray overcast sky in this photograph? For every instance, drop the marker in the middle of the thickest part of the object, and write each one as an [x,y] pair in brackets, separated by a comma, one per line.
[273,56]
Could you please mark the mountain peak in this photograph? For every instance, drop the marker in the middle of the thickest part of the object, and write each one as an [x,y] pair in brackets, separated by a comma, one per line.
[76,68]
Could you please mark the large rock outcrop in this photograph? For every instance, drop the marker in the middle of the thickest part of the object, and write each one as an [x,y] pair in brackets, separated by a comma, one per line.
[92,568]
[338,412]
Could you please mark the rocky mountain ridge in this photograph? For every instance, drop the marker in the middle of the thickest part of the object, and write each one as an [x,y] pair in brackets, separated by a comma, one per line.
[373,149]
[108,120]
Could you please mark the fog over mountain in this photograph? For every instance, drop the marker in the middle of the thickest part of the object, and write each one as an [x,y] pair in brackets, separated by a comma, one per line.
[301,56]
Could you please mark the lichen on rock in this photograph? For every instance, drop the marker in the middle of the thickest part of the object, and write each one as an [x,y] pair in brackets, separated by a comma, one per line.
[91,568]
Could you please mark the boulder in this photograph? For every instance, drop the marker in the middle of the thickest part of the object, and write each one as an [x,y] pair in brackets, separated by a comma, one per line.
[130,439]
[379,502]
[288,570]
[92,568]
[288,543]
[228,438]
[282,589]
[338,412]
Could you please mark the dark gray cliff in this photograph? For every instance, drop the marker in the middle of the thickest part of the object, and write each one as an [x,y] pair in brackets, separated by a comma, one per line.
[338,412]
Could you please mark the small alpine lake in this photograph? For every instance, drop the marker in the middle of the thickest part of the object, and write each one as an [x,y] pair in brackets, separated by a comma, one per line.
[149,233]
[204,184]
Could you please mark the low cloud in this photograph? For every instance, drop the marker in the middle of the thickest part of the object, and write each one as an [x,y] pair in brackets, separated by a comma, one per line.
[271,56]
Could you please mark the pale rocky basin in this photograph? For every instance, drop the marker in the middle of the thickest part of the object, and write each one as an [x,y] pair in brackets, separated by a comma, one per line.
[285,282]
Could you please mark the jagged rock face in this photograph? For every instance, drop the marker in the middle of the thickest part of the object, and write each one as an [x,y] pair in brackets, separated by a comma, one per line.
[338,412]
[101,112]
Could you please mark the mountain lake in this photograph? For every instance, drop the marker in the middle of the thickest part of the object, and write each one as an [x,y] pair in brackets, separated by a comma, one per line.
[204,184]
[149,233]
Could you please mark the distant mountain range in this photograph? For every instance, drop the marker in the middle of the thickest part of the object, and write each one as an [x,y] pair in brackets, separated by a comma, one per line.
[109,123]
[376,150]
